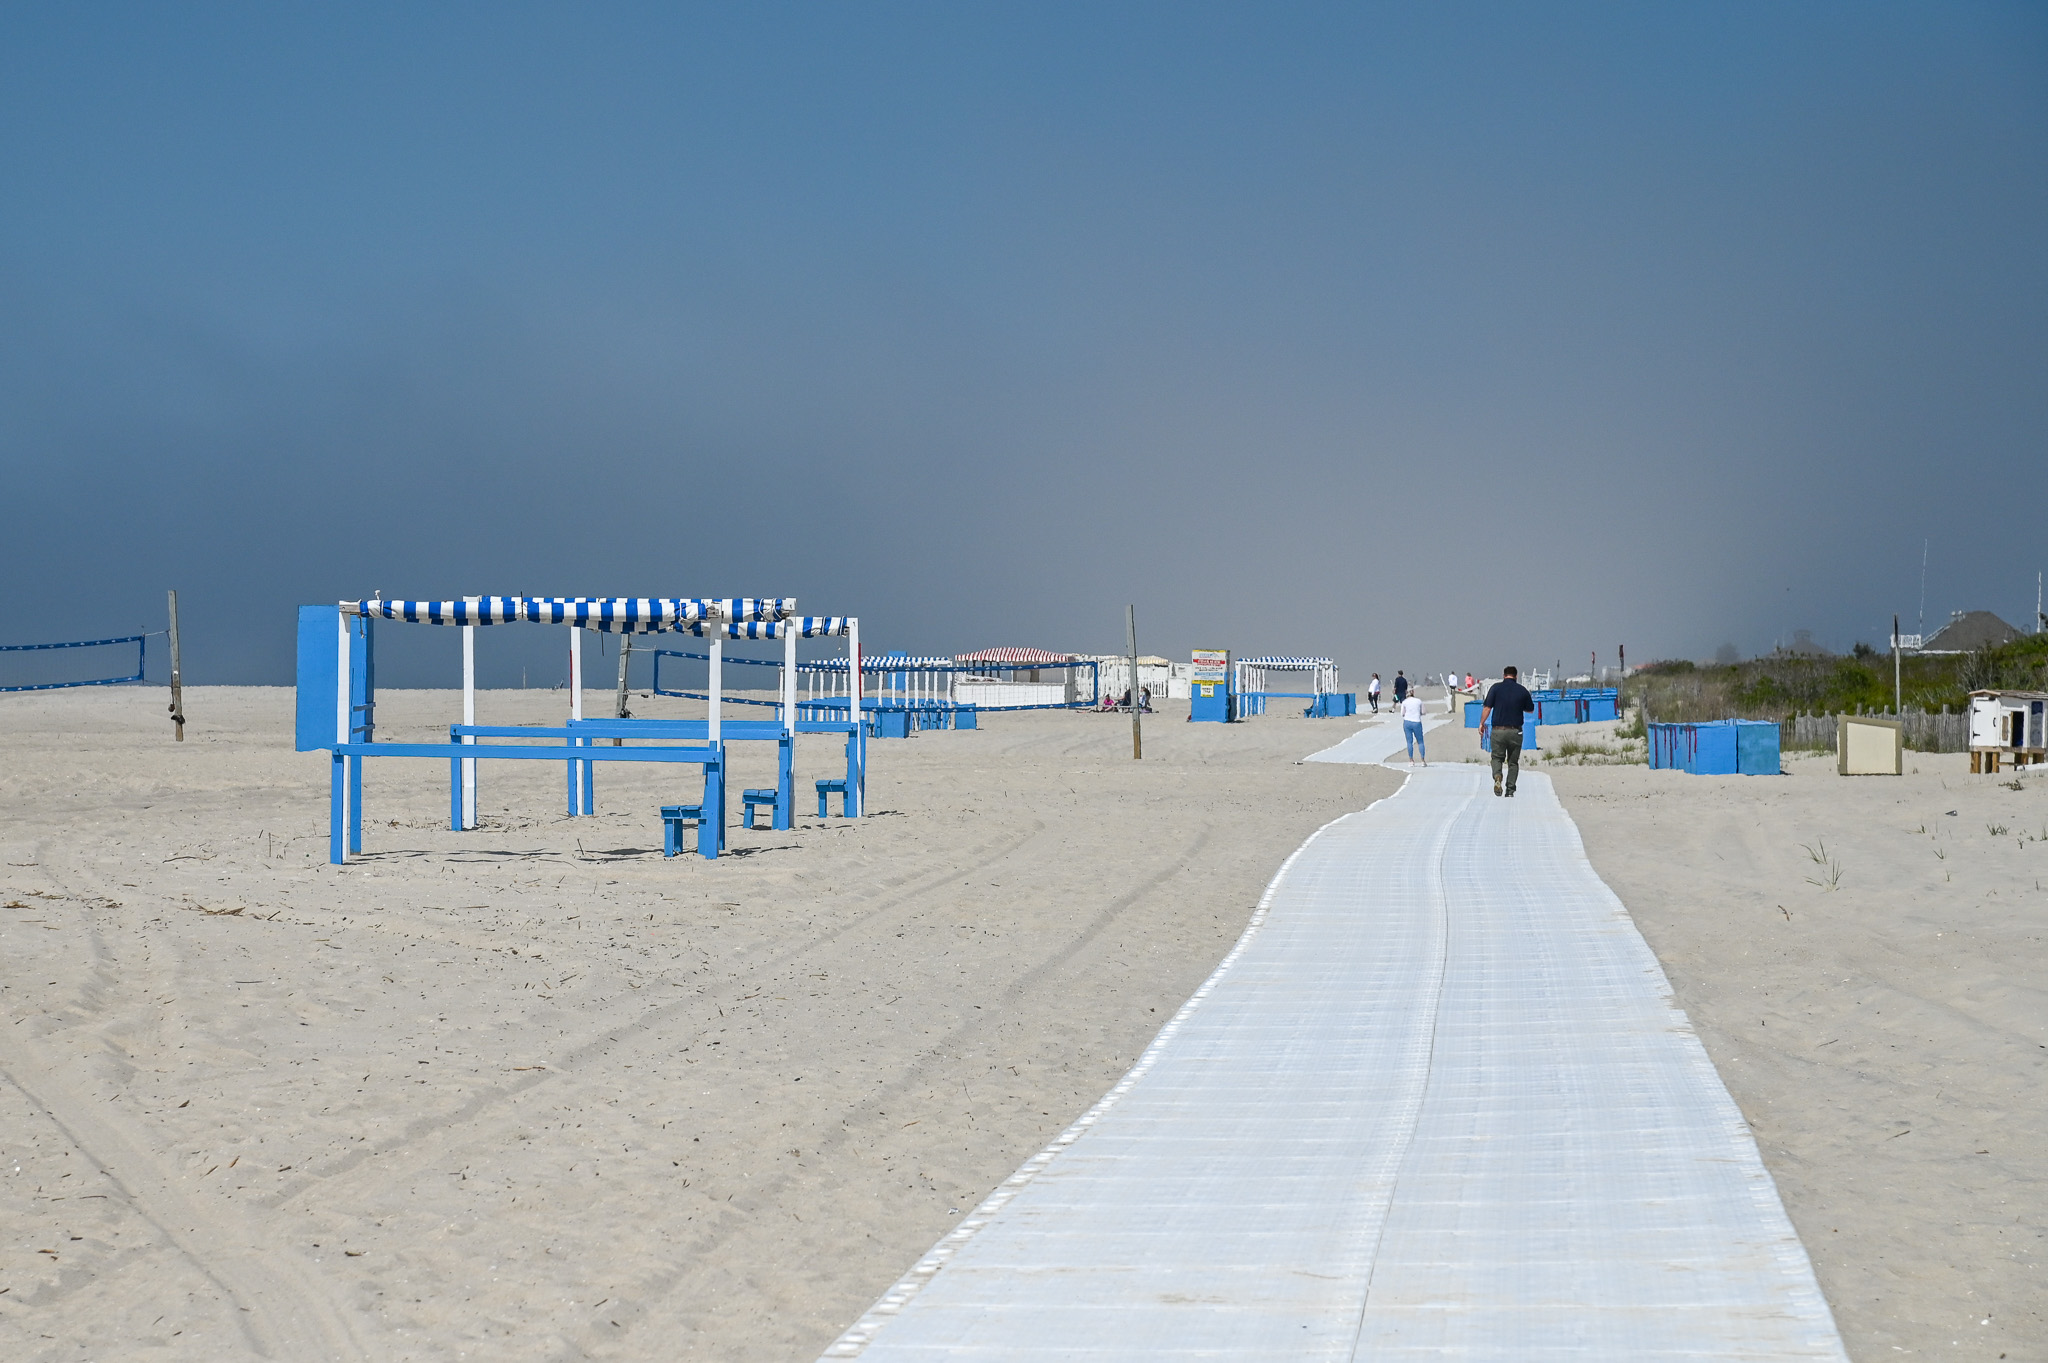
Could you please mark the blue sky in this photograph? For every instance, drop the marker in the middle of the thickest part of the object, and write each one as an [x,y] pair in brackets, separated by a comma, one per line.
[1415,335]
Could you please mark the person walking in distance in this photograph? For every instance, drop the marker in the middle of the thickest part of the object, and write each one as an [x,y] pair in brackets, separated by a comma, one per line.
[1411,727]
[1372,692]
[1505,705]
[1400,686]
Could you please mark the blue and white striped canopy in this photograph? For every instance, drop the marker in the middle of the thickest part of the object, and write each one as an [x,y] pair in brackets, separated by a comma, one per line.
[805,626]
[1298,663]
[614,614]
[898,663]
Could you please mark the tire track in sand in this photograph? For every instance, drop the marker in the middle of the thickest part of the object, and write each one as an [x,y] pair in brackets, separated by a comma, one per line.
[286,1309]
[364,1170]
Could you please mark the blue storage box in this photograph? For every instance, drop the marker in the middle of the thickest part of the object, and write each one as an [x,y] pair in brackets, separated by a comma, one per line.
[1528,738]
[1756,747]
[1720,747]
[1712,746]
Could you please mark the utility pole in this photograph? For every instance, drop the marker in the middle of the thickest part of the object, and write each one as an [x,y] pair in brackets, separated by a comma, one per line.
[177,675]
[1898,707]
[625,657]
[1921,626]
[1131,637]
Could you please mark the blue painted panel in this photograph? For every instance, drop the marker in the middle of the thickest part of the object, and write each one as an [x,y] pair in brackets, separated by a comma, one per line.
[1712,748]
[314,726]
[1660,746]
[963,718]
[1209,702]
[316,677]
[1756,747]
[1472,709]
[1528,737]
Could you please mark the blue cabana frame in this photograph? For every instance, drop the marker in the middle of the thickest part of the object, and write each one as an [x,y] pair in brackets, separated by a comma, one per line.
[337,703]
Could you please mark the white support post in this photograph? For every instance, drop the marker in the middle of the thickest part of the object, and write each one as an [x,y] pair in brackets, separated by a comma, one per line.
[717,676]
[860,741]
[789,676]
[469,717]
[341,681]
[576,712]
[342,715]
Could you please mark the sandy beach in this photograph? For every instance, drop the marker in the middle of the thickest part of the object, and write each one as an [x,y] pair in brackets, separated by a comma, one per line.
[1885,1031]
[535,1092]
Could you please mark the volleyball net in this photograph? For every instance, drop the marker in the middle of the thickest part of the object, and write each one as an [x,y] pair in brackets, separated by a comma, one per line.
[55,667]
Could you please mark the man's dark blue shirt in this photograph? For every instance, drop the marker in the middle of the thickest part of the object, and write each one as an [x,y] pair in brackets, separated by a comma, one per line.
[1509,701]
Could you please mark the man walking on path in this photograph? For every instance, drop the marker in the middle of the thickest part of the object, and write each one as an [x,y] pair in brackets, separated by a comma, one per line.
[1411,727]
[1505,704]
[1400,686]
[1372,692]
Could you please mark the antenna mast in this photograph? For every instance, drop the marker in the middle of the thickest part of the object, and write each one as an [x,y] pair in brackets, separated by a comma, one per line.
[1922,626]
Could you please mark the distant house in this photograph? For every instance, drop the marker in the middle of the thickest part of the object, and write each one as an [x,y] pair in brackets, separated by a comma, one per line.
[1969,630]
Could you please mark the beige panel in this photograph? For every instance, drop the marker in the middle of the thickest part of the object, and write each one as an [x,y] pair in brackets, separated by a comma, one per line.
[1868,748]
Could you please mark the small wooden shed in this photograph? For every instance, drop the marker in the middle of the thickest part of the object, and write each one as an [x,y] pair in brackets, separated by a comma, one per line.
[1869,747]
[2008,726]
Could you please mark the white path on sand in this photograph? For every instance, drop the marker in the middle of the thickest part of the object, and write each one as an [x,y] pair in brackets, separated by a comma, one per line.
[1436,1103]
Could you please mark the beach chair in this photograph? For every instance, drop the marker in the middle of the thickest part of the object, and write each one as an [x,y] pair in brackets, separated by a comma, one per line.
[752,799]
[673,817]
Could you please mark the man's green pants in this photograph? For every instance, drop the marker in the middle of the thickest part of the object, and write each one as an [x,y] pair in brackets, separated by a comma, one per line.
[1507,747]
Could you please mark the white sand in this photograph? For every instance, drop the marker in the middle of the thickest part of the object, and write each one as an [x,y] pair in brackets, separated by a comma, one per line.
[534,1091]
[1887,1039]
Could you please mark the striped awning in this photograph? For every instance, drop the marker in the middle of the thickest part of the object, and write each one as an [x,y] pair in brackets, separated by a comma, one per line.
[1294,663]
[805,626]
[1015,655]
[900,662]
[614,614]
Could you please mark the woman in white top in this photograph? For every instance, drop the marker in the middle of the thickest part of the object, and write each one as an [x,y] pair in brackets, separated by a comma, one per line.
[1411,727]
[1372,692]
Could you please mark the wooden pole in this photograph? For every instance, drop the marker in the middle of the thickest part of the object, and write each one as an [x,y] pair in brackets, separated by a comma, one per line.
[1131,635]
[177,675]
[1898,709]
[625,657]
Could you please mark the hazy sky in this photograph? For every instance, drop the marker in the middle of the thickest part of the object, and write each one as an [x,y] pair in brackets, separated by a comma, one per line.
[1419,335]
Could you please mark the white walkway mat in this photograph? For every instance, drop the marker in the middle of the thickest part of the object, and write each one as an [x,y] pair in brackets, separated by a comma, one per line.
[1436,1104]
[1379,740]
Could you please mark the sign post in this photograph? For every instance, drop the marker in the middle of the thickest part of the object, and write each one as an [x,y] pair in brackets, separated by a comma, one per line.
[1131,638]
[177,675]
[1209,698]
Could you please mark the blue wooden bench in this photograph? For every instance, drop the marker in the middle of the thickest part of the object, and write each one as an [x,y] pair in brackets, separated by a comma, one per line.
[673,817]
[771,800]
[828,787]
